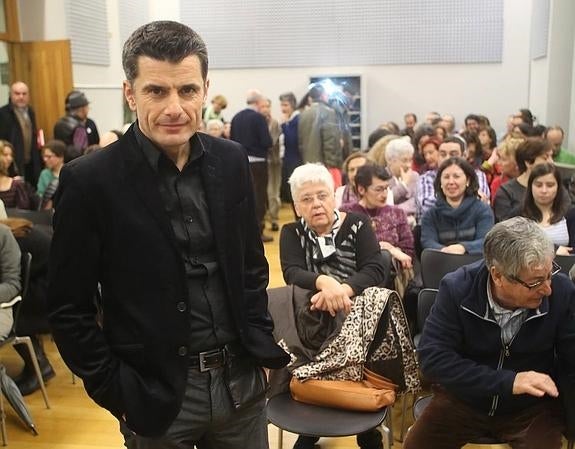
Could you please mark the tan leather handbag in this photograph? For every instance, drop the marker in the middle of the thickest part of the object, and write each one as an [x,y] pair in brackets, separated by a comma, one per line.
[368,395]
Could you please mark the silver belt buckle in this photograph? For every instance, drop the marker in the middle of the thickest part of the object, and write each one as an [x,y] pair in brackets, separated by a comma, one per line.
[212,359]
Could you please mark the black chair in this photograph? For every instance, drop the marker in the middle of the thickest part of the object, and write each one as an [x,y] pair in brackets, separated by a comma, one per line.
[310,420]
[565,262]
[39,217]
[436,264]
[425,300]
[14,339]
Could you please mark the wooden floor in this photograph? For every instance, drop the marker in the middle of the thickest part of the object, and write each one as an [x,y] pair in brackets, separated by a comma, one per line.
[75,422]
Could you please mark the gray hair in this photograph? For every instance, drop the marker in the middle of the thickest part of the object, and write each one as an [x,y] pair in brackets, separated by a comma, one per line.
[253,96]
[515,244]
[311,172]
[163,40]
[398,148]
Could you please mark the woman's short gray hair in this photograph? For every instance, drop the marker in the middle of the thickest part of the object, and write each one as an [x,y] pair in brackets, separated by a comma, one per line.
[515,244]
[398,148]
[311,172]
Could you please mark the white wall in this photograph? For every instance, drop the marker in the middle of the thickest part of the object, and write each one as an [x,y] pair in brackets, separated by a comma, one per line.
[552,76]
[495,90]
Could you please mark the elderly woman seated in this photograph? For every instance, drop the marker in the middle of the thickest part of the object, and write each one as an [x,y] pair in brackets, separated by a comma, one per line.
[331,252]
[458,222]
[403,182]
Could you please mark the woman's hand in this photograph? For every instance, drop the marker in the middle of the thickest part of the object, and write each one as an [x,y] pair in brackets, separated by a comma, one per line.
[402,258]
[564,251]
[457,248]
[397,254]
[332,296]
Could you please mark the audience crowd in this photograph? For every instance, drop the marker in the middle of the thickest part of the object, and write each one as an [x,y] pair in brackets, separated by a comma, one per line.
[423,185]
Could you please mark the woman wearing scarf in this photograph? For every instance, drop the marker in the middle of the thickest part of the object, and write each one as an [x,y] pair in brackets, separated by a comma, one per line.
[333,253]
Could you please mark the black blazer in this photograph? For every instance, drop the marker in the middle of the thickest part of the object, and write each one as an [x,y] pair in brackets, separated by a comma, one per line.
[111,228]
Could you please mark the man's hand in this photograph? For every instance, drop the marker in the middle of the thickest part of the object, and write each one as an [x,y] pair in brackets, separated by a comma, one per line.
[535,384]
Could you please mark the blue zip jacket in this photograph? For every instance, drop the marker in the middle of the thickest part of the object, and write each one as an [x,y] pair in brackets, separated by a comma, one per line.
[461,347]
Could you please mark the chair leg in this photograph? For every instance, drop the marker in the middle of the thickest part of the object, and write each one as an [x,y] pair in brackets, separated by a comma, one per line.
[28,342]
[387,430]
[3,421]
[403,415]
[280,438]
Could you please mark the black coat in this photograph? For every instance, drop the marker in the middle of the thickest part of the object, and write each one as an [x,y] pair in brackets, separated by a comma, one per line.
[10,130]
[111,228]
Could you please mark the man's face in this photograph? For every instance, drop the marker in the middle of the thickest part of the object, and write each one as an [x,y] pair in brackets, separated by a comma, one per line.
[286,108]
[409,121]
[512,294]
[82,113]
[265,108]
[19,95]
[472,125]
[555,138]
[447,150]
[167,98]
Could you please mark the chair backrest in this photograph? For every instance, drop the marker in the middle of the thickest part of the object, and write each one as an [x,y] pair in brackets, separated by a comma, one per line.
[39,217]
[387,264]
[425,300]
[436,264]
[565,262]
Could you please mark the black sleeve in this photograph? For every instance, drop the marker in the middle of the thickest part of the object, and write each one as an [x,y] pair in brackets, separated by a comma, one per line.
[292,259]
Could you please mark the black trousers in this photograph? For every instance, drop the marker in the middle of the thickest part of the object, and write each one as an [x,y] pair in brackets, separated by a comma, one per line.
[208,418]
[259,172]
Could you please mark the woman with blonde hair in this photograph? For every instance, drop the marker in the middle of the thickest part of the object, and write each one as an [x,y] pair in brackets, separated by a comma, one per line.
[377,151]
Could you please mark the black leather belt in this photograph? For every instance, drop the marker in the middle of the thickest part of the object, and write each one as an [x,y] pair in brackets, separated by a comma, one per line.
[216,358]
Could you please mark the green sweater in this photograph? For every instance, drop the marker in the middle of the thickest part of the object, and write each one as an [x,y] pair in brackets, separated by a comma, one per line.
[46,177]
[565,157]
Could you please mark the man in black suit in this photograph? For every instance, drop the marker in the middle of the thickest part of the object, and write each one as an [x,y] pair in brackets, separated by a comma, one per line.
[18,126]
[250,128]
[164,221]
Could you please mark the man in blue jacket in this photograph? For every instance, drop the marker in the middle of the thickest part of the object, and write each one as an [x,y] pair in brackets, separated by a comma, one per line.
[492,345]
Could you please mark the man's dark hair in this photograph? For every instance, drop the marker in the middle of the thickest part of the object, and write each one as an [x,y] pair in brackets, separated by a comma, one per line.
[468,170]
[411,114]
[529,150]
[289,97]
[459,141]
[472,117]
[316,91]
[365,174]
[163,40]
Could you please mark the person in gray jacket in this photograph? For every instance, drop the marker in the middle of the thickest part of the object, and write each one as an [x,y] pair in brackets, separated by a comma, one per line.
[9,276]
[318,131]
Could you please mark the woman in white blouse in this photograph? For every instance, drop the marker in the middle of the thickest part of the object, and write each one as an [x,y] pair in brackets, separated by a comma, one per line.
[544,203]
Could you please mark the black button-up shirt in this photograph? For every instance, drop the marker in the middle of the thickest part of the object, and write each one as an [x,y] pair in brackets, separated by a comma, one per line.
[185,202]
